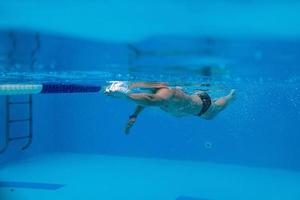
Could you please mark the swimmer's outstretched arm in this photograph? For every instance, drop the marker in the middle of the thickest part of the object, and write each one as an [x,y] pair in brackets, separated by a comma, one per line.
[132,118]
[147,85]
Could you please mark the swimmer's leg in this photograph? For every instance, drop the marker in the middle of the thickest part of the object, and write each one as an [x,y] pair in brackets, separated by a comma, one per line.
[219,105]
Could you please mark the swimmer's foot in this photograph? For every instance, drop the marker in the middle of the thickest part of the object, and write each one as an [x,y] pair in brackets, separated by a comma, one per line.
[231,95]
[117,89]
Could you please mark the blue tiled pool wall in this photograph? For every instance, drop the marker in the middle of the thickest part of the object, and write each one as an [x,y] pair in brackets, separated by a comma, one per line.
[90,123]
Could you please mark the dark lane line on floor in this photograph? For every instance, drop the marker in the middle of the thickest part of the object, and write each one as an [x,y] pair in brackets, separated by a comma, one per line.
[30,185]
[190,198]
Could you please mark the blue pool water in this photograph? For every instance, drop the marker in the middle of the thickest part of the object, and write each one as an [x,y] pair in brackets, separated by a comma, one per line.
[79,149]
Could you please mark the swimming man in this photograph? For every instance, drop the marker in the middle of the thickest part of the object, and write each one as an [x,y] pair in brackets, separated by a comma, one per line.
[171,100]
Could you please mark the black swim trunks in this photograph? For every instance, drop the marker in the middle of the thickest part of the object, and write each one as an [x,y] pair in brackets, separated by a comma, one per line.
[206,102]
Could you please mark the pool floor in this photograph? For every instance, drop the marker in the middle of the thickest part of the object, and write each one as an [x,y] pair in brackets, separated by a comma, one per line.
[86,176]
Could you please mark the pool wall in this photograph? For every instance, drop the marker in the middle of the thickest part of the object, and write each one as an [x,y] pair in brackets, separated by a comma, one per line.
[243,134]
[259,129]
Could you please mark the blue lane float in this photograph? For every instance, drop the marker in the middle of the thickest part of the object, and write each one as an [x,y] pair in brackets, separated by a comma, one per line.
[20,89]
[70,88]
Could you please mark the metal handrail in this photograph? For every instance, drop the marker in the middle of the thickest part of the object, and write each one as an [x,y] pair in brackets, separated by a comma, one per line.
[7,136]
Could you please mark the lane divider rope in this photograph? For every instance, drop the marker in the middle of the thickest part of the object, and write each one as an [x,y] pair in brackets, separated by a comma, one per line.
[21,89]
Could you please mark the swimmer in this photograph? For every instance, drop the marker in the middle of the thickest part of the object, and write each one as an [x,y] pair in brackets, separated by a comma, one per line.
[172,100]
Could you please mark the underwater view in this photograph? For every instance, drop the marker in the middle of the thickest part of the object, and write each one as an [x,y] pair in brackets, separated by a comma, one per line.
[150,100]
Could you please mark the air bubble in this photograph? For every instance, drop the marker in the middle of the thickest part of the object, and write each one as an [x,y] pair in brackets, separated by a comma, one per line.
[208,145]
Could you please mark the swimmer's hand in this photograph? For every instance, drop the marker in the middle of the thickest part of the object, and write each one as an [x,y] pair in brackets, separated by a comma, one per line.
[129,124]
[132,118]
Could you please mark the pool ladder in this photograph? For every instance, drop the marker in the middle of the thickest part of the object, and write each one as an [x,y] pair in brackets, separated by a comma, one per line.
[11,121]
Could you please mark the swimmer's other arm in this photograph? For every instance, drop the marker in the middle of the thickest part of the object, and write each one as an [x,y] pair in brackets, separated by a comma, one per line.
[132,118]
